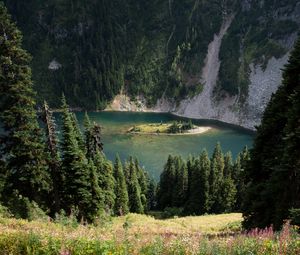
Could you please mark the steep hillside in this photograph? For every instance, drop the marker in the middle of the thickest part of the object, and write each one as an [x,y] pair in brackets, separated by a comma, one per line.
[202,59]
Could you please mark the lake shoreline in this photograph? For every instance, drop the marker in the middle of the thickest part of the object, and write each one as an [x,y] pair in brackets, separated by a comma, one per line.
[252,131]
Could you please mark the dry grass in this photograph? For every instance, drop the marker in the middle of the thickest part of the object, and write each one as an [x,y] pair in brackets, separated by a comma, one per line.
[133,224]
[140,234]
[151,128]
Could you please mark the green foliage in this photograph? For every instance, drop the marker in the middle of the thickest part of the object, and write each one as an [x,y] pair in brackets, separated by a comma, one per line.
[54,160]
[106,179]
[21,142]
[93,142]
[121,193]
[254,37]
[200,185]
[171,212]
[134,188]
[21,207]
[102,48]
[295,216]
[4,212]
[53,239]
[165,186]
[272,173]
[198,198]
[76,168]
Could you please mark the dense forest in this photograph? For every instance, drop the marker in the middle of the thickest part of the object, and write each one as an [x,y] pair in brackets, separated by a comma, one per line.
[41,173]
[93,50]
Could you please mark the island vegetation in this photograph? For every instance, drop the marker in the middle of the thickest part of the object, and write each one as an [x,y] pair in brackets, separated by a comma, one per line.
[176,127]
[61,195]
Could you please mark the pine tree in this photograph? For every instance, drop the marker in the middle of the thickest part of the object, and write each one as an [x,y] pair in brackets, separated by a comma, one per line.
[142,177]
[96,205]
[77,132]
[228,165]
[166,185]
[215,179]
[93,139]
[227,195]
[104,169]
[77,190]
[122,200]
[238,178]
[151,196]
[54,162]
[106,180]
[198,201]
[181,183]
[190,166]
[143,180]
[273,170]
[134,189]
[23,147]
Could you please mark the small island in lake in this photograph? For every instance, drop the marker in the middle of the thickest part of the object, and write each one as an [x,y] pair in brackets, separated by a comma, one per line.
[174,128]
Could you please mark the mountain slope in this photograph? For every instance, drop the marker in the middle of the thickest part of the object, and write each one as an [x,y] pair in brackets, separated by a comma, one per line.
[158,51]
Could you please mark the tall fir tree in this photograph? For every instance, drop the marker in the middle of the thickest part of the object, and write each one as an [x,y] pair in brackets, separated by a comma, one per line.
[151,196]
[180,187]
[198,200]
[273,170]
[77,132]
[96,205]
[104,169]
[77,189]
[215,179]
[166,184]
[23,147]
[134,189]
[93,141]
[227,195]
[228,165]
[106,180]
[121,193]
[143,179]
[54,161]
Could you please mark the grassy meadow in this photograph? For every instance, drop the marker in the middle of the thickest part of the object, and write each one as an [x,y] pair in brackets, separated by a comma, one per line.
[140,234]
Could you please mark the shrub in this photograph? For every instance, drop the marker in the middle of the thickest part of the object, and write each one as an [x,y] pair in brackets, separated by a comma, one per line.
[171,212]
[295,216]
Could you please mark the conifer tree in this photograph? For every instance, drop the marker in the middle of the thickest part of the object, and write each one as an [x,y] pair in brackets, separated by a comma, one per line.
[238,178]
[93,139]
[151,196]
[190,166]
[106,180]
[198,201]
[226,196]
[54,161]
[104,169]
[273,170]
[121,193]
[77,132]
[215,179]
[181,183]
[166,184]
[143,180]
[134,189]
[142,177]
[77,189]
[96,205]
[23,147]
[228,165]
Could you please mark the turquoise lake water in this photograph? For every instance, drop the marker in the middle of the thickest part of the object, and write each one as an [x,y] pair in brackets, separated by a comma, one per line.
[153,150]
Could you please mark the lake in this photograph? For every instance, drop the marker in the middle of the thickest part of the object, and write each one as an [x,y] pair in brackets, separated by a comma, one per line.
[153,150]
